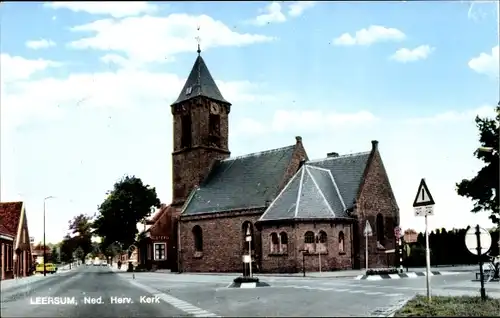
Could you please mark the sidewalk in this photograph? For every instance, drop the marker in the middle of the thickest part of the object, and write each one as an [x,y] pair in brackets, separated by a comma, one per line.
[23,281]
[333,274]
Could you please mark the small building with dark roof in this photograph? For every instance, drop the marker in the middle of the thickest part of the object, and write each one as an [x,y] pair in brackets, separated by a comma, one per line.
[297,211]
[15,245]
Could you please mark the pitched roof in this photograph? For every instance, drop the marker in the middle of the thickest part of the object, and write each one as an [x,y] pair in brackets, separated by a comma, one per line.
[323,188]
[200,83]
[10,215]
[249,181]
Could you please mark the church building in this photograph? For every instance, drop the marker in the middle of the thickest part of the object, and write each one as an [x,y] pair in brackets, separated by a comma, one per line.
[298,211]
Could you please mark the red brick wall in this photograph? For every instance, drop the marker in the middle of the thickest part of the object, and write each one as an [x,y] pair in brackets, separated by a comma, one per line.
[331,257]
[377,197]
[189,167]
[223,240]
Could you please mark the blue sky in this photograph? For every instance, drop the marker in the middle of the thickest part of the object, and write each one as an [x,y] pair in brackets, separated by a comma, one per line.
[86,90]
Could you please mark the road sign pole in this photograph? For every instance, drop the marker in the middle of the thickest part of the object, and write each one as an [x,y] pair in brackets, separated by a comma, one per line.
[366,252]
[427,260]
[481,274]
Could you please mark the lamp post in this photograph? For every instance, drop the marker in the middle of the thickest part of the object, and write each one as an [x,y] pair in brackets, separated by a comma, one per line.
[44,246]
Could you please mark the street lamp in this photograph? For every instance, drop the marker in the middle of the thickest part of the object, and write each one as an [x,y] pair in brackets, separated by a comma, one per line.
[44,246]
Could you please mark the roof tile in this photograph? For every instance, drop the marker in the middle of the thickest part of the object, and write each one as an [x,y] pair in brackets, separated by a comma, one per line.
[249,181]
[10,215]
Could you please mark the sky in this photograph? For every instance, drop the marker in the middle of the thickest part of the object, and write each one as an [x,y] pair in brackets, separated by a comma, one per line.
[86,89]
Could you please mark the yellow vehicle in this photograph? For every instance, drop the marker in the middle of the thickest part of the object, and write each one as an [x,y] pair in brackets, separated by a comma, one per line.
[49,268]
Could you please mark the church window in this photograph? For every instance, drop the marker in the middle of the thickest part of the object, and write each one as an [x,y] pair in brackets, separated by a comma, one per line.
[380,229]
[214,126]
[283,242]
[321,240]
[186,131]
[198,238]
[275,243]
[309,237]
[160,249]
[309,241]
[189,90]
[341,242]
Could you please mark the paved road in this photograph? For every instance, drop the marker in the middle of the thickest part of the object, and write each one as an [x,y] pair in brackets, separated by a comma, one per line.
[92,284]
[208,295]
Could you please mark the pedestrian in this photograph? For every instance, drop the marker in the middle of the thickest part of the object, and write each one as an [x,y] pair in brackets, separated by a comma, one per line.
[119,264]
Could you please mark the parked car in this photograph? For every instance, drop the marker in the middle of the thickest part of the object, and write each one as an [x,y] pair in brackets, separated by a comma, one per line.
[104,263]
[97,262]
[49,268]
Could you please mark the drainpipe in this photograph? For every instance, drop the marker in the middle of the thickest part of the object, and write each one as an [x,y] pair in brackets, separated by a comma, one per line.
[179,270]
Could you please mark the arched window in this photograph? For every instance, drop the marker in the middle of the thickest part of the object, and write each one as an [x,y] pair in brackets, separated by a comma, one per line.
[341,242]
[322,237]
[321,242]
[309,237]
[380,229]
[198,238]
[283,242]
[275,243]
[244,229]
[309,241]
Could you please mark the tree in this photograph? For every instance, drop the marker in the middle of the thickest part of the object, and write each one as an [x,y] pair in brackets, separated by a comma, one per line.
[81,230]
[484,188]
[67,249]
[54,255]
[129,202]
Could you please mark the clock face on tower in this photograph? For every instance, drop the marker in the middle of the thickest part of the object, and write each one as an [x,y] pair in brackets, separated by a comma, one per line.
[214,108]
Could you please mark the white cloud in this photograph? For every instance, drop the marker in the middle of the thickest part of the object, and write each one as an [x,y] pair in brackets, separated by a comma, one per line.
[307,121]
[371,35]
[405,55]
[453,116]
[297,8]
[19,68]
[270,14]
[40,44]
[115,9]
[166,36]
[486,63]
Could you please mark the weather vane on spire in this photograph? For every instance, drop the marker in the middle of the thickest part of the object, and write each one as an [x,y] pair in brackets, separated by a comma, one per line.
[198,39]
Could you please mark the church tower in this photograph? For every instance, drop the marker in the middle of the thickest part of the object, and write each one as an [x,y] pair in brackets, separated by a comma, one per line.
[200,116]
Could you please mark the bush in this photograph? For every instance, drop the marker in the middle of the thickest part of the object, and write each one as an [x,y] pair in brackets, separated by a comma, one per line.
[244,279]
[382,271]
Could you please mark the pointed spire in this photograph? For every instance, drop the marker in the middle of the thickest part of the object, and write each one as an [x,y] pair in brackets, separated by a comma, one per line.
[200,83]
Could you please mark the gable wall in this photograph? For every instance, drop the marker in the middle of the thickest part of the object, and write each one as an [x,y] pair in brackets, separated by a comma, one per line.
[377,197]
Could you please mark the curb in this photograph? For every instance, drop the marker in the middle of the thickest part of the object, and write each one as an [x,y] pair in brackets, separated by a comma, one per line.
[403,275]
[248,285]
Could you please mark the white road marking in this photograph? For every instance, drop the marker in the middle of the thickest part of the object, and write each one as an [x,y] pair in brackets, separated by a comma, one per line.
[177,303]
[373,293]
[393,295]
[356,292]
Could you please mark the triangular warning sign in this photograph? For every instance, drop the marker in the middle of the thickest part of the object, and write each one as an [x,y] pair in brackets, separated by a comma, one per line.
[368,229]
[423,197]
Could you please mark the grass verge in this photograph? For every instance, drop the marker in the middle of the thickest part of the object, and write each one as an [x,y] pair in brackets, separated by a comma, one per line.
[447,306]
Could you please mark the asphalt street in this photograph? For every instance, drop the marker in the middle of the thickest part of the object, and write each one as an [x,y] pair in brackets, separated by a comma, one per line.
[83,292]
[208,295]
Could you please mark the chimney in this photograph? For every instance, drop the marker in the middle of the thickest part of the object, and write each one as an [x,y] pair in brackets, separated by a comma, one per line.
[374,144]
[298,139]
[332,154]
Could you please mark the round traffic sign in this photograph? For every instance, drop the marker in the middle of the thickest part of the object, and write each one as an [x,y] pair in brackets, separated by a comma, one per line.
[471,240]
[397,232]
